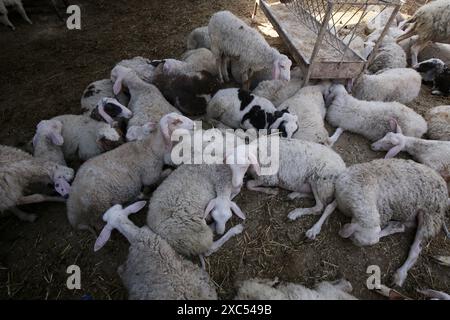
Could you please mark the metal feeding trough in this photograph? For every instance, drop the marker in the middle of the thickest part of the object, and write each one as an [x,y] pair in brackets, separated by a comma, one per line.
[312,29]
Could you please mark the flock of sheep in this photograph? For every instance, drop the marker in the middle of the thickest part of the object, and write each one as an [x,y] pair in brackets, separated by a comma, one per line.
[124,137]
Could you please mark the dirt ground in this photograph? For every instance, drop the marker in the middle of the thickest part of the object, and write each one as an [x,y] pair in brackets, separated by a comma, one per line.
[45,68]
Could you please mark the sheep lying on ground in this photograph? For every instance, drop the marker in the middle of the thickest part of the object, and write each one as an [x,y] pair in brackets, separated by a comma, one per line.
[389,55]
[118,176]
[438,72]
[370,118]
[438,119]
[265,289]
[384,196]
[231,38]
[4,12]
[433,153]
[153,270]
[199,38]
[238,108]
[400,84]
[431,23]
[18,170]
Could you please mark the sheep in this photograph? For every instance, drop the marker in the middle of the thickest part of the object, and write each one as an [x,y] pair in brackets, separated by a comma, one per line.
[97,90]
[438,119]
[191,193]
[399,84]
[188,92]
[431,23]
[147,103]
[278,91]
[307,169]
[369,118]
[438,72]
[232,38]
[266,289]
[118,175]
[199,38]
[308,105]
[143,67]
[18,170]
[111,111]
[390,36]
[433,153]
[433,50]
[389,55]
[384,196]
[153,270]
[48,140]
[85,138]
[238,108]
[4,12]
[201,59]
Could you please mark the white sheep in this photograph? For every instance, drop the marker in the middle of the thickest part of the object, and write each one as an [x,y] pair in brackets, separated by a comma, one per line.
[438,119]
[4,12]
[231,37]
[266,289]
[48,141]
[238,108]
[118,175]
[369,118]
[147,103]
[388,56]
[200,59]
[278,91]
[399,84]
[433,153]
[391,34]
[143,67]
[18,170]
[308,170]
[96,91]
[384,197]
[431,23]
[199,38]
[153,270]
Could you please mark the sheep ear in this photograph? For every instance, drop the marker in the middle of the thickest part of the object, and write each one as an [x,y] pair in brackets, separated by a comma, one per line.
[103,114]
[56,138]
[347,230]
[394,126]
[117,88]
[393,151]
[254,163]
[237,211]
[103,237]
[276,70]
[209,207]
[135,207]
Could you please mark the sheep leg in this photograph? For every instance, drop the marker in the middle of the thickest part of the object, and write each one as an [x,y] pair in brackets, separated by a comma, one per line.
[392,228]
[254,185]
[434,294]
[225,63]
[315,230]
[23,13]
[227,236]
[245,80]
[334,138]
[4,19]
[23,215]
[219,64]
[415,49]
[37,198]
[300,195]
[317,209]
[401,274]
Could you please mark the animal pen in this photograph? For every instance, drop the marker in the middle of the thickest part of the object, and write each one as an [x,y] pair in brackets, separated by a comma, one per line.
[312,30]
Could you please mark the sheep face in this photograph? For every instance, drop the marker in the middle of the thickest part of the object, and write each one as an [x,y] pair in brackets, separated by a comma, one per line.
[137,133]
[61,177]
[288,125]
[361,236]
[108,109]
[221,210]
[51,129]
[282,68]
[430,68]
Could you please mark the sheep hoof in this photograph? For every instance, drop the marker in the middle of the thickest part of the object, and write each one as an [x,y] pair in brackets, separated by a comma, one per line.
[294,214]
[312,233]
[399,278]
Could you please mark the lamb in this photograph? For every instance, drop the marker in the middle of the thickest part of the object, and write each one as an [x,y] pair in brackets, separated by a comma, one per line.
[399,84]
[200,59]
[369,118]
[308,104]
[147,103]
[118,175]
[111,111]
[238,108]
[388,56]
[384,196]
[199,38]
[431,23]
[266,289]
[433,153]
[48,140]
[305,168]
[438,72]
[143,67]
[85,138]
[18,170]
[153,270]
[4,12]
[232,38]
[278,91]
[97,90]
[438,119]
